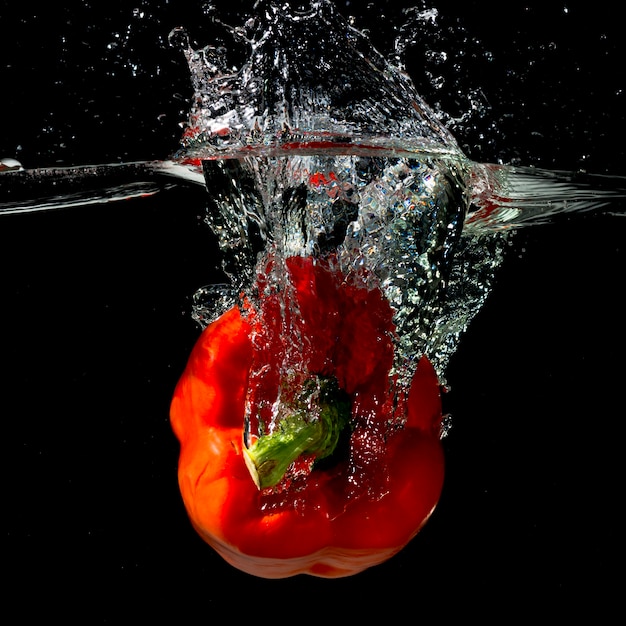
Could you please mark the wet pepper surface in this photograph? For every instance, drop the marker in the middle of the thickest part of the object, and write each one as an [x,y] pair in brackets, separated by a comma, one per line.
[353,466]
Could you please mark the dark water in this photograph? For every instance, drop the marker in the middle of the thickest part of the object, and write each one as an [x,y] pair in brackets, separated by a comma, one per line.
[96,327]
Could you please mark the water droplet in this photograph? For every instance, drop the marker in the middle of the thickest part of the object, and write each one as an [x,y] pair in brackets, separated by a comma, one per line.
[10,165]
[179,38]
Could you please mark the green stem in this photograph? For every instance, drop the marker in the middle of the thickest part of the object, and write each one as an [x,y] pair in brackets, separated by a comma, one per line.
[300,433]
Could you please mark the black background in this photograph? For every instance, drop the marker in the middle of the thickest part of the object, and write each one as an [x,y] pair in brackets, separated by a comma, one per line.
[95,329]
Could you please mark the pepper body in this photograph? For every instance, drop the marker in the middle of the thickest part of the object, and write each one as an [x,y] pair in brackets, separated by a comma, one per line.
[330,520]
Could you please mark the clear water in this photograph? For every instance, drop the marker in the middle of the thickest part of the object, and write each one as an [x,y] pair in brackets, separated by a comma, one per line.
[297,160]
[316,141]
[394,223]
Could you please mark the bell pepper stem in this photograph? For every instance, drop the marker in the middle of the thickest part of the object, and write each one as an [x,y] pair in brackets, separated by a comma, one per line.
[312,433]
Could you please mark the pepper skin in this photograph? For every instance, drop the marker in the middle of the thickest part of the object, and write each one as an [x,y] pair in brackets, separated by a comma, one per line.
[329,519]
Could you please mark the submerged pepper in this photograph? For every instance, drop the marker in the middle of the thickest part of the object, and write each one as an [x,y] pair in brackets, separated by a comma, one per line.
[301,450]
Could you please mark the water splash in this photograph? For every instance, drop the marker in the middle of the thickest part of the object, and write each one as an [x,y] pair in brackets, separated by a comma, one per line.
[310,77]
[308,138]
[319,138]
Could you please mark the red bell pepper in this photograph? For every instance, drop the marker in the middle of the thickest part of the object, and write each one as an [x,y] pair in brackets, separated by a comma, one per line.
[301,450]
